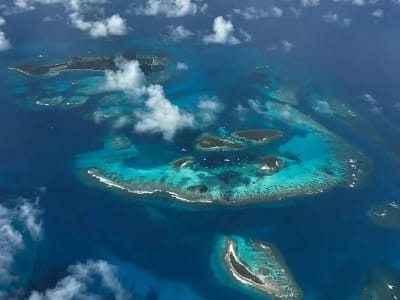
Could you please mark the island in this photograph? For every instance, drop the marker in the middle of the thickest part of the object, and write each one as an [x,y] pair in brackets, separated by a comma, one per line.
[148,64]
[258,136]
[386,215]
[213,143]
[270,164]
[182,162]
[255,267]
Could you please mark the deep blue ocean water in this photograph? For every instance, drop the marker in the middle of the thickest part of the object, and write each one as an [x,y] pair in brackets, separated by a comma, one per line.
[328,241]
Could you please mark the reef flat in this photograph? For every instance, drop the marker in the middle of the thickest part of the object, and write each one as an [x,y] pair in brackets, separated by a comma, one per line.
[310,160]
[258,135]
[254,266]
[386,215]
[148,63]
[381,284]
[213,143]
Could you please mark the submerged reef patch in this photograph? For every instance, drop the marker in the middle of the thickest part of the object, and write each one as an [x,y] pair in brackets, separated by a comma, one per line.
[254,266]
[386,215]
[381,284]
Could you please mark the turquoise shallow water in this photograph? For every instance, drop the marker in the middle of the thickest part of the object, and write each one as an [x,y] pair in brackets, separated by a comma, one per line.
[164,246]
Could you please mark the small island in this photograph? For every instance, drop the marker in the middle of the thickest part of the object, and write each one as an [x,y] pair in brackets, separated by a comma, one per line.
[213,143]
[258,267]
[182,162]
[258,136]
[270,164]
[386,215]
[148,64]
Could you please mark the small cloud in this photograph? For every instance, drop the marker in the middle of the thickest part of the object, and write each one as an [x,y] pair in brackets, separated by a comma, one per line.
[287,46]
[241,112]
[310,3]
[322,107]
[121,122]
[161,116]
[114,25]
[18,224]
[376,109]
[57,17]
[378,13]
[369,99]
[178,33]
[171,8]
[253,13]
[346,21]
[246,36]
[182,66]
[331,18]
[256,106]
[2,21]
[295,11]
[128,78]
[276,11]
[209,108]
[223,33]
[4,42]
[87,280]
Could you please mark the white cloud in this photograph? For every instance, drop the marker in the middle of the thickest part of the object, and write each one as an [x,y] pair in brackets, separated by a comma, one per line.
[17,225]
[246,36]
[276,11]
[178,33]
[310,2]
[322,107]
[4,42]
[121,122]
[158,115]
[378,13]
[369,99]
[86,281]
[114,25]
[171,8]
[331,18]
[256,106]
[346,21]
[182,66]
[223,33]
[241,112]
[287,46]
[376,109]
[2,21]
[209,107]
[161,116]
[128,78]
[253,13]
